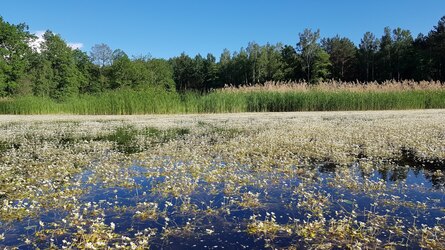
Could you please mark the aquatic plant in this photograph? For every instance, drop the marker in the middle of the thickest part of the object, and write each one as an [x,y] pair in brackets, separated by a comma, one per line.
[271,97]
[279,180]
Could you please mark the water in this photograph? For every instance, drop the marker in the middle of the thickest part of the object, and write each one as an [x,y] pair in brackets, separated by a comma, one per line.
[218,213]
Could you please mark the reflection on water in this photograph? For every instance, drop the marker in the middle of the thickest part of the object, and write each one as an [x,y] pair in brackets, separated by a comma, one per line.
[256,209]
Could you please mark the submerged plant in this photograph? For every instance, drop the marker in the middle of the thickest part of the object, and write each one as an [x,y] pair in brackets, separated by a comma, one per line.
[293,180]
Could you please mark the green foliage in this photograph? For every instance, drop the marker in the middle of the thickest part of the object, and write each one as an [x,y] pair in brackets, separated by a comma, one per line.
[183,69]
[125,101]
[320,69]
[14,52]
[401,50]
[162,136]
[265,62]
[29,105]
[271,63]
[122,73]
[309,48]
[291,64]
[337,101]
[125,139]
[367,52]
[87,73]
[225,67]
[211,70]
[342,54]
[53,70]
[161,74]
[62,75]
[128,102]
[4,146]
[436,44]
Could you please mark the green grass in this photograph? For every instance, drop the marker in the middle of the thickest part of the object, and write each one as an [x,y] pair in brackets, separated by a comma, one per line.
[125,137]
[162,136]
[344,100]
[4,147]
[128,102]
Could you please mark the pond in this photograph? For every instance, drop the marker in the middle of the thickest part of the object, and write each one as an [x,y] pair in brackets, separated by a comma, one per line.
[318,204]
[338,180]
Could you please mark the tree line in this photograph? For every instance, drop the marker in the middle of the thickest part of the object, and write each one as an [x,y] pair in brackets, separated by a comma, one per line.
[53,69]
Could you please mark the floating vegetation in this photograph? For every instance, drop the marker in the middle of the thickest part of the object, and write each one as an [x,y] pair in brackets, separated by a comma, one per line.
[125,139]
[367,180]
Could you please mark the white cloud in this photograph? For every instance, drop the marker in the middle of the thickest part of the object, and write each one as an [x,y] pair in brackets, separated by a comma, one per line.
[36,44]
[75,45]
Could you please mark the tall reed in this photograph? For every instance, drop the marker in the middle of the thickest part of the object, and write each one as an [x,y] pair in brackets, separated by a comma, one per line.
[272,97]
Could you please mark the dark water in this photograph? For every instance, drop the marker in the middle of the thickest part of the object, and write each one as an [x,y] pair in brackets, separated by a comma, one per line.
[214,228]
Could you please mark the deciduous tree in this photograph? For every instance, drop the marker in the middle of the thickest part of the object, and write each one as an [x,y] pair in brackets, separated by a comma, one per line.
[14,55]
[309,48]
[102,55]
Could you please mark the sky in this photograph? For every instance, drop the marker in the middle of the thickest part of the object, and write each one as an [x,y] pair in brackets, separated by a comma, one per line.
[165,29]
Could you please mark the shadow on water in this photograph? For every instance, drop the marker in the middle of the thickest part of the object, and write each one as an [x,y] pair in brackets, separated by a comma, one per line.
[212,217]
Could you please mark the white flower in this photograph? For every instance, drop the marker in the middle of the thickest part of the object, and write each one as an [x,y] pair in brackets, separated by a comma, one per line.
[101,243]
[112,225]
[89,245]
[125,238]
[133,246]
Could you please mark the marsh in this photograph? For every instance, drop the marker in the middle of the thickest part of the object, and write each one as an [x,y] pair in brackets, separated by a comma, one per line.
[319,180]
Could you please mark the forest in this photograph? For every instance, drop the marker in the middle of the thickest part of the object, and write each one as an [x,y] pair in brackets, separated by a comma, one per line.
[54,70]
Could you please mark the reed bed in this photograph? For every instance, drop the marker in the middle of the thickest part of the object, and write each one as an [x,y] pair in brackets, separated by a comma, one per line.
[332,85]
[269,97]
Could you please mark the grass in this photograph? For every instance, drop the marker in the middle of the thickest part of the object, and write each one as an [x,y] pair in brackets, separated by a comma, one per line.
[126,137]
[342,101]
[270,97]
[4,147]
[163,136]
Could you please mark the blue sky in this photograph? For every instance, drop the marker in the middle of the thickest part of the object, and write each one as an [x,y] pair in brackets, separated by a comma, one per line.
[167,28]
